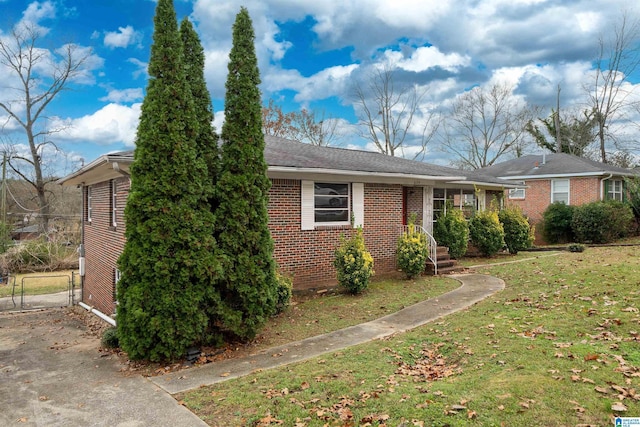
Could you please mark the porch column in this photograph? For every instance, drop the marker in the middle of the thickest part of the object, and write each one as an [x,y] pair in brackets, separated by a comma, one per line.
[482,200]
[427,208]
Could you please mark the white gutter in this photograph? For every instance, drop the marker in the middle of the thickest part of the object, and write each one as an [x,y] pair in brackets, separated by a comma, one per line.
[564,175]
[98,313]
[286,169]
[602,186]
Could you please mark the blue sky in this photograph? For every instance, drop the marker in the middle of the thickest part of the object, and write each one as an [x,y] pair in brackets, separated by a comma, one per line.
[312,53]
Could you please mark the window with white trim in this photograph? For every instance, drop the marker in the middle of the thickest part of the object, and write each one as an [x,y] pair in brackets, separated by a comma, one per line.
[560,191]
[331,203]
[615,190]
[89,204]
[114,204]
[516,193]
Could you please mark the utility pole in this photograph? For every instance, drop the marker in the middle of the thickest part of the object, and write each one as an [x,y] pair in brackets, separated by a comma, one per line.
[3,202]
[557,119]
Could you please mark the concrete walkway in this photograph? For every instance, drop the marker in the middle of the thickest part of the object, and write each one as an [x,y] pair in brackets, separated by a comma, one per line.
[475,287]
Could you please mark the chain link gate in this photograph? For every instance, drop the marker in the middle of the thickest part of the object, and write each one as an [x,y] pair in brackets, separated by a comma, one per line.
[67,294]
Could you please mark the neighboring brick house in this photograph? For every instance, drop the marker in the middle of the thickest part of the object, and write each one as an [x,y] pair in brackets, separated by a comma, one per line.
[547,178]
[315,193]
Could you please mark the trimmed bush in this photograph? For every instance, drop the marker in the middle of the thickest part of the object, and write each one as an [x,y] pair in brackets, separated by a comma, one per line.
[487,234]
[284,291]
[412,252]
[576,247]
[556,223]
[518,233]
[353,263]
[110,338]
[601,222]
[452,230]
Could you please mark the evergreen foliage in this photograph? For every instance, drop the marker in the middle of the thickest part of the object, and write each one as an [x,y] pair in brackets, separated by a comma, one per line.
[601,222]
[556,223]
[248,286]
[207,139]
[452,230]
[487,234]
[169,256]
[412,251]
[518,233]
[353,263]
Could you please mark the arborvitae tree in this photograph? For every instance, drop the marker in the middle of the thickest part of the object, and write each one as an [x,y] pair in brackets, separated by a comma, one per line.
[248,286]
[207,141]
[168,259]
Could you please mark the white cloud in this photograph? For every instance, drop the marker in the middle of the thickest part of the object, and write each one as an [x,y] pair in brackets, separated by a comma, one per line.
[125,36]
[427,57]
[141,67]
[114,123]
[124,95]
[35,13]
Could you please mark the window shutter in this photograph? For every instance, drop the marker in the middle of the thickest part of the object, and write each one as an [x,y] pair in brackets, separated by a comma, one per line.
[357,194]
[606,190]
[307,217]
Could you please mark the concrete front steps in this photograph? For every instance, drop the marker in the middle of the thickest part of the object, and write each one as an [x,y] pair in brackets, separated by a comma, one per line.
[446,265]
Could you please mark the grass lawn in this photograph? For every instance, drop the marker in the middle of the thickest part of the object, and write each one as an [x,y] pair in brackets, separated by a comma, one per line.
[38,283]
[558,347]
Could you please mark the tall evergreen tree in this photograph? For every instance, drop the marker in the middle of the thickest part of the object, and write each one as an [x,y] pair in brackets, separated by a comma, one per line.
[168,259]
[207,141]
[248,287]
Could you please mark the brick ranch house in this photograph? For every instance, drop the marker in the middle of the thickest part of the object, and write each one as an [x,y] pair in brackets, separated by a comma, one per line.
[314,194]
[558,177]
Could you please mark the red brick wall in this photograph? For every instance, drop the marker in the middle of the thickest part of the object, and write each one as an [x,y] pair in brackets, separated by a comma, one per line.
[538,195]
[307,255]
[414,203]
[103,244]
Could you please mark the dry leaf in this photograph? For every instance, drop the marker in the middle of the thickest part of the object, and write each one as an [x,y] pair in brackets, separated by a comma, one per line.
[601,389]
[618,407]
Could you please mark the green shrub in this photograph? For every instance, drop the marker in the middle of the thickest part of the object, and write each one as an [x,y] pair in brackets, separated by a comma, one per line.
[110,338]
[412,252]
[284,290]
[576,247]
[353,263]
[487,234]
[601,222]
[556,223]
[518,233]
[452,230]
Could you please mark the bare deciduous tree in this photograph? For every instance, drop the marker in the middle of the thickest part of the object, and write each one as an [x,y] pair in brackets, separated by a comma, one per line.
[36,76]
[314,128]
[484,125]
[618,58]
[304,126]
[390,114]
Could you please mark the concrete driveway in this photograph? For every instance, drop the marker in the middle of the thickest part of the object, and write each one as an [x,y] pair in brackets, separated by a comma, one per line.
[52,374]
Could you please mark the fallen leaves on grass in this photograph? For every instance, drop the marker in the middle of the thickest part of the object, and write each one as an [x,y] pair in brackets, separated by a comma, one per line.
[431,367]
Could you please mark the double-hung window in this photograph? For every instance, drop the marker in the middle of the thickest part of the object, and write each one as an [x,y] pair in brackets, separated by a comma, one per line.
[560,191]
[331,204]
[516,193]
[615,190]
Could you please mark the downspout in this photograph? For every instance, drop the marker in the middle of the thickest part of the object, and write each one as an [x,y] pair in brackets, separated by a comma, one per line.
[81,260]
[602,186]
[98,313]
